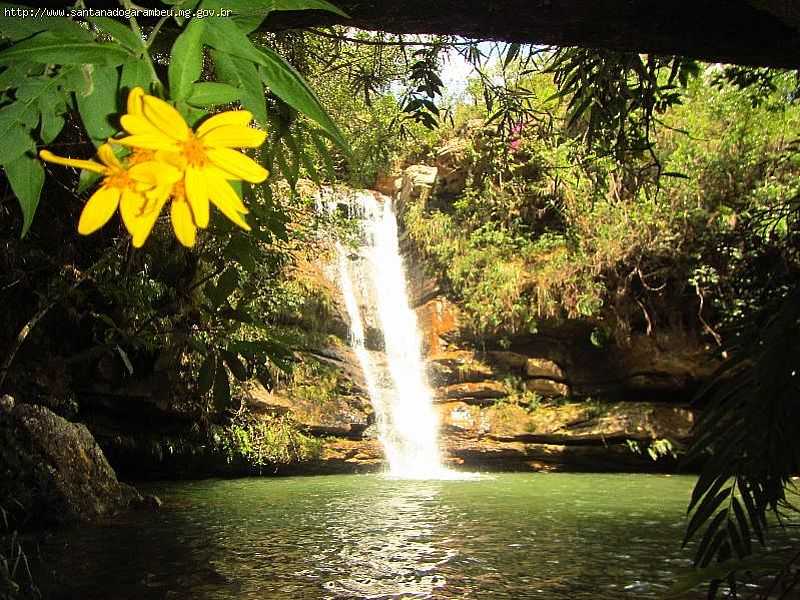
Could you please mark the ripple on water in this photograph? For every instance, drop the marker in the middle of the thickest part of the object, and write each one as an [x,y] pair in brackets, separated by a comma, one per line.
[499,536]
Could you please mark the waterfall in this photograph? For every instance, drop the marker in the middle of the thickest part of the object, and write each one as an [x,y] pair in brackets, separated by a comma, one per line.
[373,283]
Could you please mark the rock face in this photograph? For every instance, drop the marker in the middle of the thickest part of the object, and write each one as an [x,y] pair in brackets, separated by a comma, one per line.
[53,471]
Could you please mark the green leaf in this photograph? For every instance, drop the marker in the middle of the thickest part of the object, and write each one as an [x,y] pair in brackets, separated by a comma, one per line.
[52,109]
[307,5]
[324,153]
[186,59]
[100,106]
[286,83]
[211,93]
[283,80]
[704,511]
[13,74]
[17,141]
[249,14]
[511,53]
[87,179]
[243,74]
[241,250]
[235,365]
[135,73]
[205,378]
[120,32]
[227,283]
[47,48]
[26,176]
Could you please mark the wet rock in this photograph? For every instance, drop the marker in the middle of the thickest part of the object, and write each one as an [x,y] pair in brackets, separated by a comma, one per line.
[547,388]
[453,167]
[510,361]
[418,181]
[147,502]
[6,403]
[349,456]
[438,321]
[448,368]
[542,368]
[389,184]
[473,392]
[52,471]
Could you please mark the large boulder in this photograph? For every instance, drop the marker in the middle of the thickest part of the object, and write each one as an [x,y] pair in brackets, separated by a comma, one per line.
[53,472]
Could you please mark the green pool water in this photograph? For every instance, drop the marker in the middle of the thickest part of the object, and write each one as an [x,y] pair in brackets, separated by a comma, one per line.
[548,536]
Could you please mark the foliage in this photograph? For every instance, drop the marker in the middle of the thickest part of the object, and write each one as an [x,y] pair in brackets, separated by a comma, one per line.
[196,313]
[53,65]
[614,97]
[656,448]
[747,430]
[545,227]
[16,580]
[267,442]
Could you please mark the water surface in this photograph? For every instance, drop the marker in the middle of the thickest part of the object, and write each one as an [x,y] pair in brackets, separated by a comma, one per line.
[550,536]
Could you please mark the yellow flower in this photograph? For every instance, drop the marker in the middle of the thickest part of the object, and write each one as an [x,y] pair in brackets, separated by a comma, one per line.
[206,157]
[133,189]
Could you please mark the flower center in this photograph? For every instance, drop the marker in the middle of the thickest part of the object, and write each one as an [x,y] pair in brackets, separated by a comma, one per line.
[194,151]
[119,178]
[141,155]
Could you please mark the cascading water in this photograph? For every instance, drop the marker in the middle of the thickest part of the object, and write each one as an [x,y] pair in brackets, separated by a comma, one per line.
[372,280]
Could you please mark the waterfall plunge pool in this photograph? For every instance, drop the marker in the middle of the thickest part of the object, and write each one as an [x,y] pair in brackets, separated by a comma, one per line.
[548,536]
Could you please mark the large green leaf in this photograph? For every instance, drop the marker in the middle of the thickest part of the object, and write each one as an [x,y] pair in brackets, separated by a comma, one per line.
[286,83]
[26,176]
[16,140]
[283,80]
[186,60]
[235,364]
[52,108]
[135,73]
[120,32]
[100,106]
[205,379]
[209,93]
[243,74]
[48,48]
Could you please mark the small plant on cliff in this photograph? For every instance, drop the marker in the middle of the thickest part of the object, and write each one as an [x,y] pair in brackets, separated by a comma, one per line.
[267,441]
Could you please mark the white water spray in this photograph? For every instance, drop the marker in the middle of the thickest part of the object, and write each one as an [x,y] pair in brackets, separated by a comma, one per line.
[405,417]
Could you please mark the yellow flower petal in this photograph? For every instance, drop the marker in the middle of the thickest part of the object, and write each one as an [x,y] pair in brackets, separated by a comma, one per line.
[215,180]
[154,173]
[197,194]
[87,165]
[182,223]
[107,157]
[144,224]
[131,208]
[174,159]
[168,120]
[135,101]
[237,164]
[98,210]
[233,136]
[225,199]
[149,142]
[137,124]
[230,117]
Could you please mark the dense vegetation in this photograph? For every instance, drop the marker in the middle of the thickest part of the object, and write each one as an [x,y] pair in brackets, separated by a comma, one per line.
[637,193]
